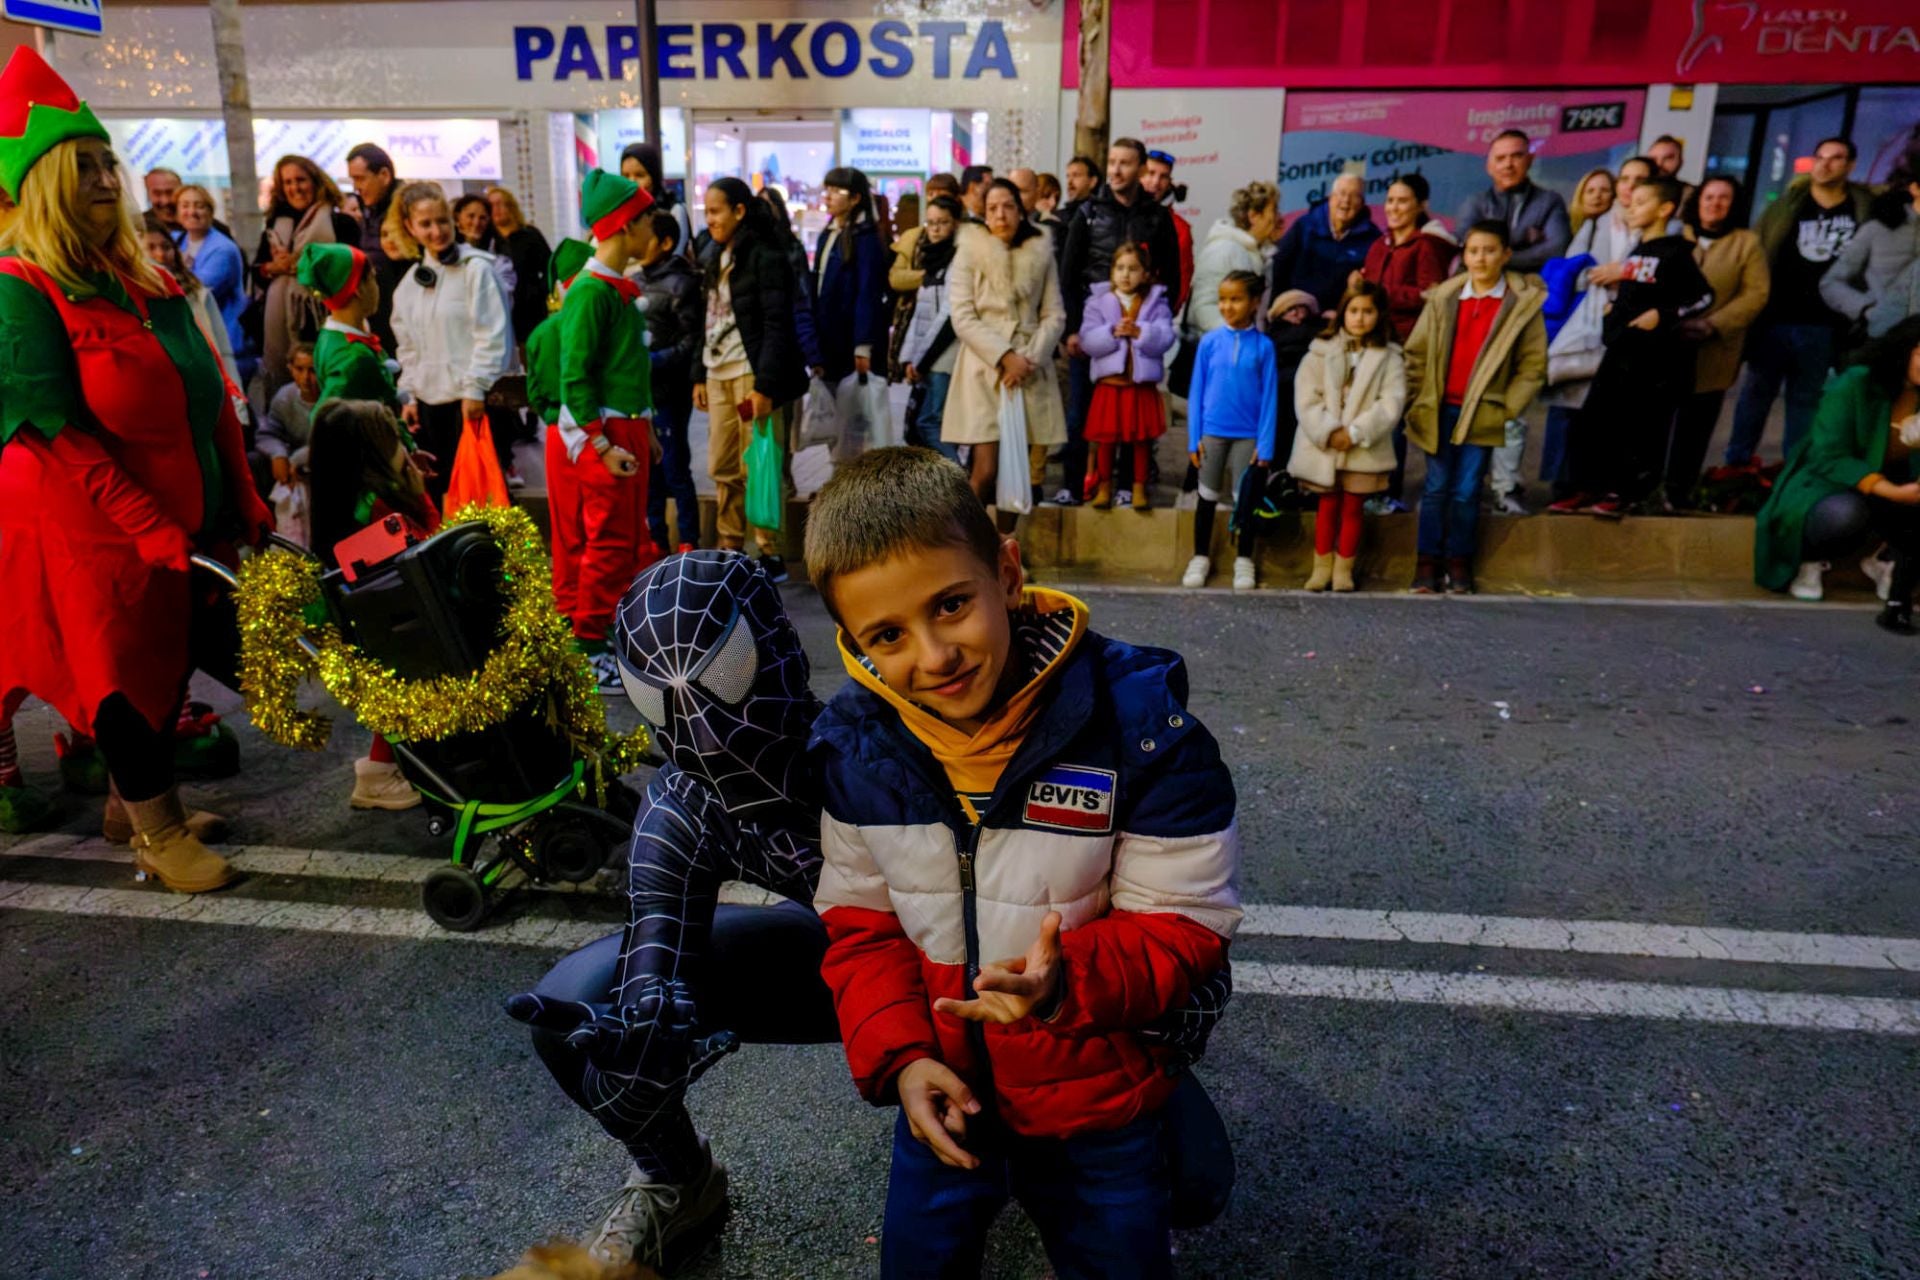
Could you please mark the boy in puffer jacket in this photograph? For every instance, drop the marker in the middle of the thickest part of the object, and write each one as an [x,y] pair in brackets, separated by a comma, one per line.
[1029,860]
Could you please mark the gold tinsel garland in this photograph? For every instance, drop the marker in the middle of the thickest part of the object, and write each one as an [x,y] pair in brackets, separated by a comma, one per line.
[536,653]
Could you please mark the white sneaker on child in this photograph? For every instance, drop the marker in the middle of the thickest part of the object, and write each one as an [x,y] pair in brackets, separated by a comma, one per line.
[1806,584]
[1196,574]
[1243,579]
[1881,572]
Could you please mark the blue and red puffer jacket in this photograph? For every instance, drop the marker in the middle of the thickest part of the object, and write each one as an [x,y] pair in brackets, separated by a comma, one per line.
[1116,811]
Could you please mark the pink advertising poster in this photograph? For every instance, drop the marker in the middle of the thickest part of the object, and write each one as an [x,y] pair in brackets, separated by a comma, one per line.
[1444,136]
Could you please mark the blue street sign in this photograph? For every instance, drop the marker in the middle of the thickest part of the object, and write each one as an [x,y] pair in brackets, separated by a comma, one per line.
[82,17]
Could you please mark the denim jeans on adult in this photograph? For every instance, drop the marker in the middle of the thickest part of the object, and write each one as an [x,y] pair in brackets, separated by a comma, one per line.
[933,407]
[1450,502]
[672,476]
[1099,1200]
[1553,449]
[1797,355]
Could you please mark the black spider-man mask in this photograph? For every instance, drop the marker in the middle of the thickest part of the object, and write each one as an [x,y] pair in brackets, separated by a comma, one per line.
[712,663]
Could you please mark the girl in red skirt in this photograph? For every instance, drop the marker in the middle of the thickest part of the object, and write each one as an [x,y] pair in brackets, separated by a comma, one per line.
[1127,330]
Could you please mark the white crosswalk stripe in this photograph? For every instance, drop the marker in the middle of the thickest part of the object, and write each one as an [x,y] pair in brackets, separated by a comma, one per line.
[1516,992]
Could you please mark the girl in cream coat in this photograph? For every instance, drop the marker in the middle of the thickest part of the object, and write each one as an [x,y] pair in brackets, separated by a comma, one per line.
[1349,393]
[1003,291]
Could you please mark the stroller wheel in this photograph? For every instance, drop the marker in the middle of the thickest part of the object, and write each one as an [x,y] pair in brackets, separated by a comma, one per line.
[566,848]
[454,898]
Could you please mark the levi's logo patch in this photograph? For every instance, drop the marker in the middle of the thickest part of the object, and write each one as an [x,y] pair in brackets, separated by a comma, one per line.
[1072,799]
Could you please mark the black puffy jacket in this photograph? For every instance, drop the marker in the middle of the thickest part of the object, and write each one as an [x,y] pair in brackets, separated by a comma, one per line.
[676,321]
[1102,224]
[762,284]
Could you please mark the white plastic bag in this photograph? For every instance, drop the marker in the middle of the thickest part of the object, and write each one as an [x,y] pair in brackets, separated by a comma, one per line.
[1012,493]
[1574,355]
[820,418]
[864,416]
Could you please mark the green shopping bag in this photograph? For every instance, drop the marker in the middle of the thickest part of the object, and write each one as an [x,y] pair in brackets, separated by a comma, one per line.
[766,473]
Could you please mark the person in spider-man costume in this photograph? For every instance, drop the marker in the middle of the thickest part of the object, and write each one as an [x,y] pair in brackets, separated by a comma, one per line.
[709,658]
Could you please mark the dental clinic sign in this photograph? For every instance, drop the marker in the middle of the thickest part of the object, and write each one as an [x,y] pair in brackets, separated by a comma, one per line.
[833,50]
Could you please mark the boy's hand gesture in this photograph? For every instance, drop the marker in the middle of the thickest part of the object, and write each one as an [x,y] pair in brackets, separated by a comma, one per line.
[1013,989]
[937,1103]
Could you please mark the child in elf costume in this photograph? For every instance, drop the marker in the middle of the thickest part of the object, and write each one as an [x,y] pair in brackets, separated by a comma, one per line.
[596,482]
[543,344]
[346,355]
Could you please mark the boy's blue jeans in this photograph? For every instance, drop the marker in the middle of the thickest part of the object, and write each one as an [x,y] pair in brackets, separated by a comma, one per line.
[1450,500]
[1099,1200]
[672,477]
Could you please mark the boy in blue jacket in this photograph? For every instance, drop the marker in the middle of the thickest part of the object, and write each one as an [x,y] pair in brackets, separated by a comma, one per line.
[1233,408]
[1028,869]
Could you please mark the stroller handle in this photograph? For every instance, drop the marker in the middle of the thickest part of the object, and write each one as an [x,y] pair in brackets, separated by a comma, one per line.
[230,580]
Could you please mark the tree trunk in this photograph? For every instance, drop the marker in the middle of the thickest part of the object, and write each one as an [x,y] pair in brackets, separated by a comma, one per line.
[1090,122]
[236,107]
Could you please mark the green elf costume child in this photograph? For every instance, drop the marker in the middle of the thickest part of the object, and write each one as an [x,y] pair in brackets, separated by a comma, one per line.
[543,344]
[596,481]
[346,356]
[120,456]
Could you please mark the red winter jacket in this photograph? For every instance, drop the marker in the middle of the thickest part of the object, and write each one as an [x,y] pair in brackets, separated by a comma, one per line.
[1407,270]
[1117,812]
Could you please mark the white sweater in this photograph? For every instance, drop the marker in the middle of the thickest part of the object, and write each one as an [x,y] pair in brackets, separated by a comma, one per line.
[454,340]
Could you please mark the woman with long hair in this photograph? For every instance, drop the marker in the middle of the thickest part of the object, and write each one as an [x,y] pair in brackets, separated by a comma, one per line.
[1003,294]
[451,325]
[305,210]
[122,456]
[803,300]
[1855,480]
[163,251]
[927,347]
[750,362]
[853,305]
[521,243]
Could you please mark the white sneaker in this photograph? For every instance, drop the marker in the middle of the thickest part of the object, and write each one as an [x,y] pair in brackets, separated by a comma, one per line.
[606,672]
[1242,573]
[1197,570]
[1510,505]
[1881,571]
[381,785]
[648,1219]
[1806,583]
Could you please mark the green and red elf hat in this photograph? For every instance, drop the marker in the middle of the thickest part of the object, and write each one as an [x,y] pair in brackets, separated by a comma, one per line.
[568,257]
[38,112]
[332,273]
[608,202]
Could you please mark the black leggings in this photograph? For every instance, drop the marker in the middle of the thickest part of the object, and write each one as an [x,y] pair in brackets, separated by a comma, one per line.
[139,758]
[1841,522]
[438,432]
[762,981]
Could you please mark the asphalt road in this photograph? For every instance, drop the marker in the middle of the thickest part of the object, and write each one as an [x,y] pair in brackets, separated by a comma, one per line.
[301,1096]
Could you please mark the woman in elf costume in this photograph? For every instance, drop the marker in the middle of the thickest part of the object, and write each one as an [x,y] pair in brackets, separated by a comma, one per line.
[120,455]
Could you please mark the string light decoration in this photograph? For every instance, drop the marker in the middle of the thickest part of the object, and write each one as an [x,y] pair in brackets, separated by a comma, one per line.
[277,599]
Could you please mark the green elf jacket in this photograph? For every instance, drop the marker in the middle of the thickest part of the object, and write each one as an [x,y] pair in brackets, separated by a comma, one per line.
[604,362]
[1845,450]
[352,367]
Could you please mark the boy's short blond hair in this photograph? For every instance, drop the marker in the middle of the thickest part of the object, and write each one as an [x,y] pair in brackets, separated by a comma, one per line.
[889,501]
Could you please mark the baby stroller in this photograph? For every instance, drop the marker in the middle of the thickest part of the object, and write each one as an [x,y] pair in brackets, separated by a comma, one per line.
[507,794]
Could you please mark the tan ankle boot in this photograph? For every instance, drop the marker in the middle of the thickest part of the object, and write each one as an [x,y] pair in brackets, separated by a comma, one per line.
[117,828]
[1141,502]
[1343,573]
[381,785]
[1103,497]
[164,848]
[1322,572]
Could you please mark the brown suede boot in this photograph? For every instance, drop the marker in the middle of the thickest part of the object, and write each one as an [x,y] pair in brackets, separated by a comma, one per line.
[1322,573]
[1141,502]
[1103,496]
[116,827]
[164,848]
[1459,576]
[1343,573]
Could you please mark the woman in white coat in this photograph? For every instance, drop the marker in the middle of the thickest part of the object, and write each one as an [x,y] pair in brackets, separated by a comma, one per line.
[1003,294]
[1349,394]
[1238,242]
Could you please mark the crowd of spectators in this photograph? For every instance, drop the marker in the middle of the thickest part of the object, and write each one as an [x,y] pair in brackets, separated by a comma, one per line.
[1628,308]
